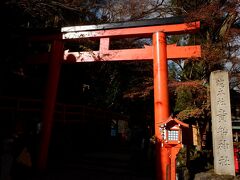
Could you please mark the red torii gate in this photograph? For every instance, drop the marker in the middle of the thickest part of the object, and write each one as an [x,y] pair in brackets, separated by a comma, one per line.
[159,52]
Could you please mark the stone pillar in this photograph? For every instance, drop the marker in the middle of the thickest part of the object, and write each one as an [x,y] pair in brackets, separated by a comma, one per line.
[221,124]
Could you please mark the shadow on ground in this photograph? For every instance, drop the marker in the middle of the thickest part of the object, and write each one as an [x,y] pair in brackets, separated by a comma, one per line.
[118,163]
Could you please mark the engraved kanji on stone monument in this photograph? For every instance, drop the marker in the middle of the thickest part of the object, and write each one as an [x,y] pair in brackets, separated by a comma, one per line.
[221,124]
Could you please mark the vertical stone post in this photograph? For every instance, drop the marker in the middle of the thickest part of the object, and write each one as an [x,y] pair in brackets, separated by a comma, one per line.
[221,124]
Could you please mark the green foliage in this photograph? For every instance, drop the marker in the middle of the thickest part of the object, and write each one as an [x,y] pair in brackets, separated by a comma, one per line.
[182,157]
[191,100]
[216,37]
[184,98]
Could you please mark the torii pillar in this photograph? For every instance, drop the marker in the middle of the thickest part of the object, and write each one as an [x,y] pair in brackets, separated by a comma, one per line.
[161,101]
[54,67]
[159,52]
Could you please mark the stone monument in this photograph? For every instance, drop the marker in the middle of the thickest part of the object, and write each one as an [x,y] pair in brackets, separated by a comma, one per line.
[221,124]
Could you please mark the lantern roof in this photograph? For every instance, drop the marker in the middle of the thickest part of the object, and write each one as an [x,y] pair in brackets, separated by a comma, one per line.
[173,121]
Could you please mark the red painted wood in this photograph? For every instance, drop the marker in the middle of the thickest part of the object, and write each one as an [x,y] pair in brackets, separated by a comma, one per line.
[49,103]
[173,52]
[161,102]
[135,32]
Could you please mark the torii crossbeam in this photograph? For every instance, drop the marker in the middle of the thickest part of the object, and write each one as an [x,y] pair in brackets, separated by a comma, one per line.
[159,52]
